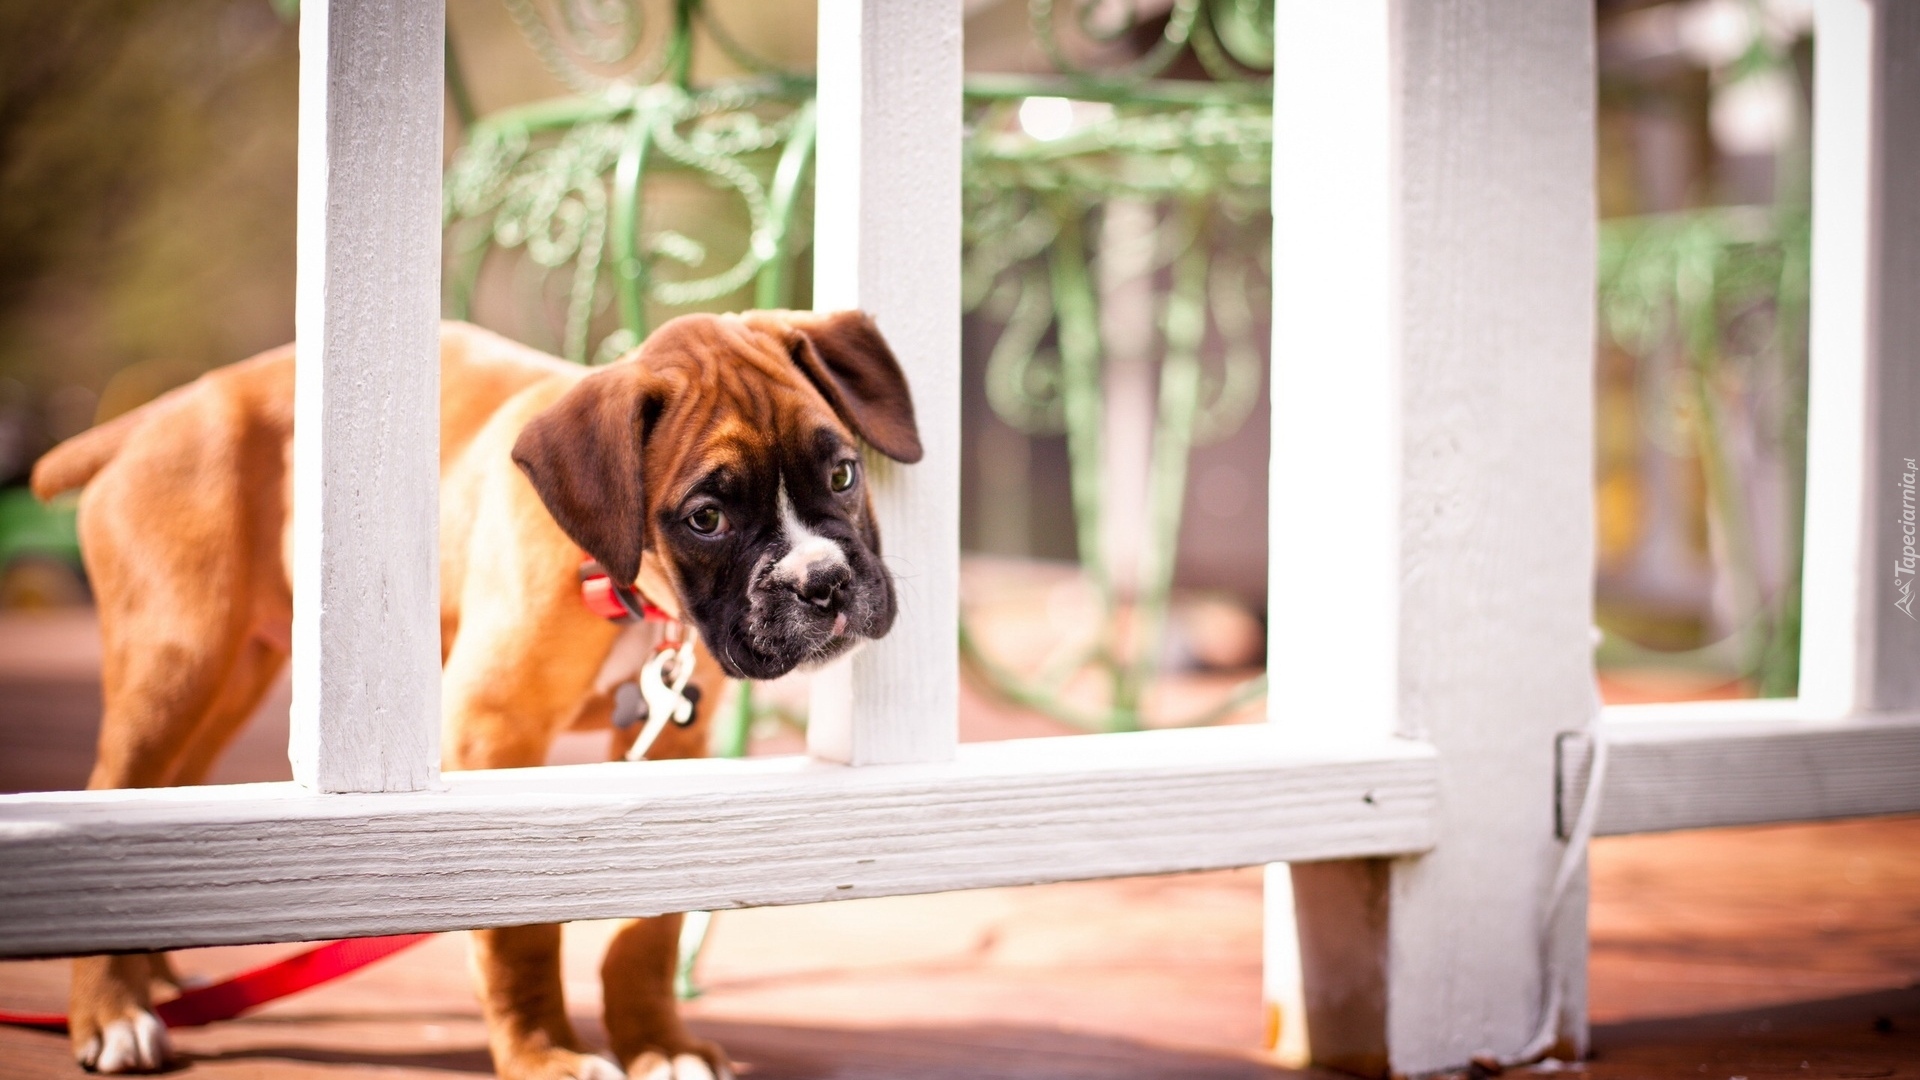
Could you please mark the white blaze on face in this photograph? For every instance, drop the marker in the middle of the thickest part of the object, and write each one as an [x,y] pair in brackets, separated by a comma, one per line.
[806,549]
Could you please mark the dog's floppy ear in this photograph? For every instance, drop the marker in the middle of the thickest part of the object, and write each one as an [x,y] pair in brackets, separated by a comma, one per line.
[582,454]
[847,360]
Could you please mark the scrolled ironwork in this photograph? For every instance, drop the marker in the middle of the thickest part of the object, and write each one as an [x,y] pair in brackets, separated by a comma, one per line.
[1201,153]
[606,32]
[550,180]
[564,182]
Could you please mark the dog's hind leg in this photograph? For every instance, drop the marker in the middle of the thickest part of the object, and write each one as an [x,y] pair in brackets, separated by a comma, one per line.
[175,531]
[247,682]
[155,697]
[164,528]
[154,703]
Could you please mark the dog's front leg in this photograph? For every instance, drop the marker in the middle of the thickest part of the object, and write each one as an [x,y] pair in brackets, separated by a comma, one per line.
[518,970]
[637,974]
[643,1019]
[524,656]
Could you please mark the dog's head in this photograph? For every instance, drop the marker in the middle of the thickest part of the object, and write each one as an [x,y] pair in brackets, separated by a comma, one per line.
[727,450]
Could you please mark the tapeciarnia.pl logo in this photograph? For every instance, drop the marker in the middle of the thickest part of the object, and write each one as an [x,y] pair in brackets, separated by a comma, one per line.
[1904,566]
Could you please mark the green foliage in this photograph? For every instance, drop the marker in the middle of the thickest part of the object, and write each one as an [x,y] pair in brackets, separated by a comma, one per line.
[1727,288]
[29,528]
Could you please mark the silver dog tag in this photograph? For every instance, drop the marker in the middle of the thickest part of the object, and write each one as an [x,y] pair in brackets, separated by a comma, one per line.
[663,682]
[629,708]
[664,693]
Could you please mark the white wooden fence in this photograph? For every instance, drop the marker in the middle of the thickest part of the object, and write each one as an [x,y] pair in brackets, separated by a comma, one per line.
[1850,744]
[1431,559]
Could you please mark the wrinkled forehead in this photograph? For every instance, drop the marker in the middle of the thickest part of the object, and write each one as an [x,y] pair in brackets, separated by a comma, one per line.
[741,410]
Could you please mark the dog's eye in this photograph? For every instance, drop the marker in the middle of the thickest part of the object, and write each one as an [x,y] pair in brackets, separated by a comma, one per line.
[706,521]
[842,477]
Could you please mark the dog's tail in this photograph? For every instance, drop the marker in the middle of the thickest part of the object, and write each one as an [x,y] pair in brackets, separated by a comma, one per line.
[77,460]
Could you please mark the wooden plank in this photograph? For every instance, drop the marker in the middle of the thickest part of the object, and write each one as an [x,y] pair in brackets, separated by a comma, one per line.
[1434,275]
[366,615]
[95,871]
[1861,637]
[887,240]
[1681,767]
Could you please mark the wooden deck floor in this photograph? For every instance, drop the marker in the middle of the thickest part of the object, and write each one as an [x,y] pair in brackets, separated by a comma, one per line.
[1764,953]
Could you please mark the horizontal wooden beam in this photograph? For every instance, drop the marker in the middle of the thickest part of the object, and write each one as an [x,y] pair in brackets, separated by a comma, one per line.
[1742,763]
[169,868]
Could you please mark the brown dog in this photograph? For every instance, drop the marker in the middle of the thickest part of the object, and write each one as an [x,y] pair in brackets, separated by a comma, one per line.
[717,467]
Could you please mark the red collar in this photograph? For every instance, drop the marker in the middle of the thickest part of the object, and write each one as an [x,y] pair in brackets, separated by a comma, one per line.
[613,601]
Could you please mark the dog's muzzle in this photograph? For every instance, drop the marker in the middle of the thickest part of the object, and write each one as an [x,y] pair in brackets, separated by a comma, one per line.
[800,617]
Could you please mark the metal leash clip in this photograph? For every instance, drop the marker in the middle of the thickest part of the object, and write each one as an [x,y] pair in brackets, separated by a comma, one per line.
[664,692]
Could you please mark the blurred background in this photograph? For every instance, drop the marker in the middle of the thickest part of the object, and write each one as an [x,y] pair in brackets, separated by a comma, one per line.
[1115,414]
[1114,502]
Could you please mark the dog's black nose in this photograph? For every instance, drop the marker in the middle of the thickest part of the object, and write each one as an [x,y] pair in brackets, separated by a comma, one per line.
[822,585]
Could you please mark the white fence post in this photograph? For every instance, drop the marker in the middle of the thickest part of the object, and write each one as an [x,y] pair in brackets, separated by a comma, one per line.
[1331,639]
[887,240]
[366,622]
[1861,649]
[1432,555]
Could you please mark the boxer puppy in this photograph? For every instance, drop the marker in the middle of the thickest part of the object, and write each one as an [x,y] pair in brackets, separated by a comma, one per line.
[717,467]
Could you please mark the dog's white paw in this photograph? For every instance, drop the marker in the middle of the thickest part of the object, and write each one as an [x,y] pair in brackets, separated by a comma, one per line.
[132,1044]
[692,1067]
[554,1063]
[654,1065]
[595,1067]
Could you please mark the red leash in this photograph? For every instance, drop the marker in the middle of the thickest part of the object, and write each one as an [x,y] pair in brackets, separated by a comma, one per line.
[324,963]
[252,989]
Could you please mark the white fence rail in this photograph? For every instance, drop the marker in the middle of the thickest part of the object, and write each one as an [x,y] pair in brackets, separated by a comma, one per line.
[1431,555]
[114,870]
[1742,763]
[1851,743]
